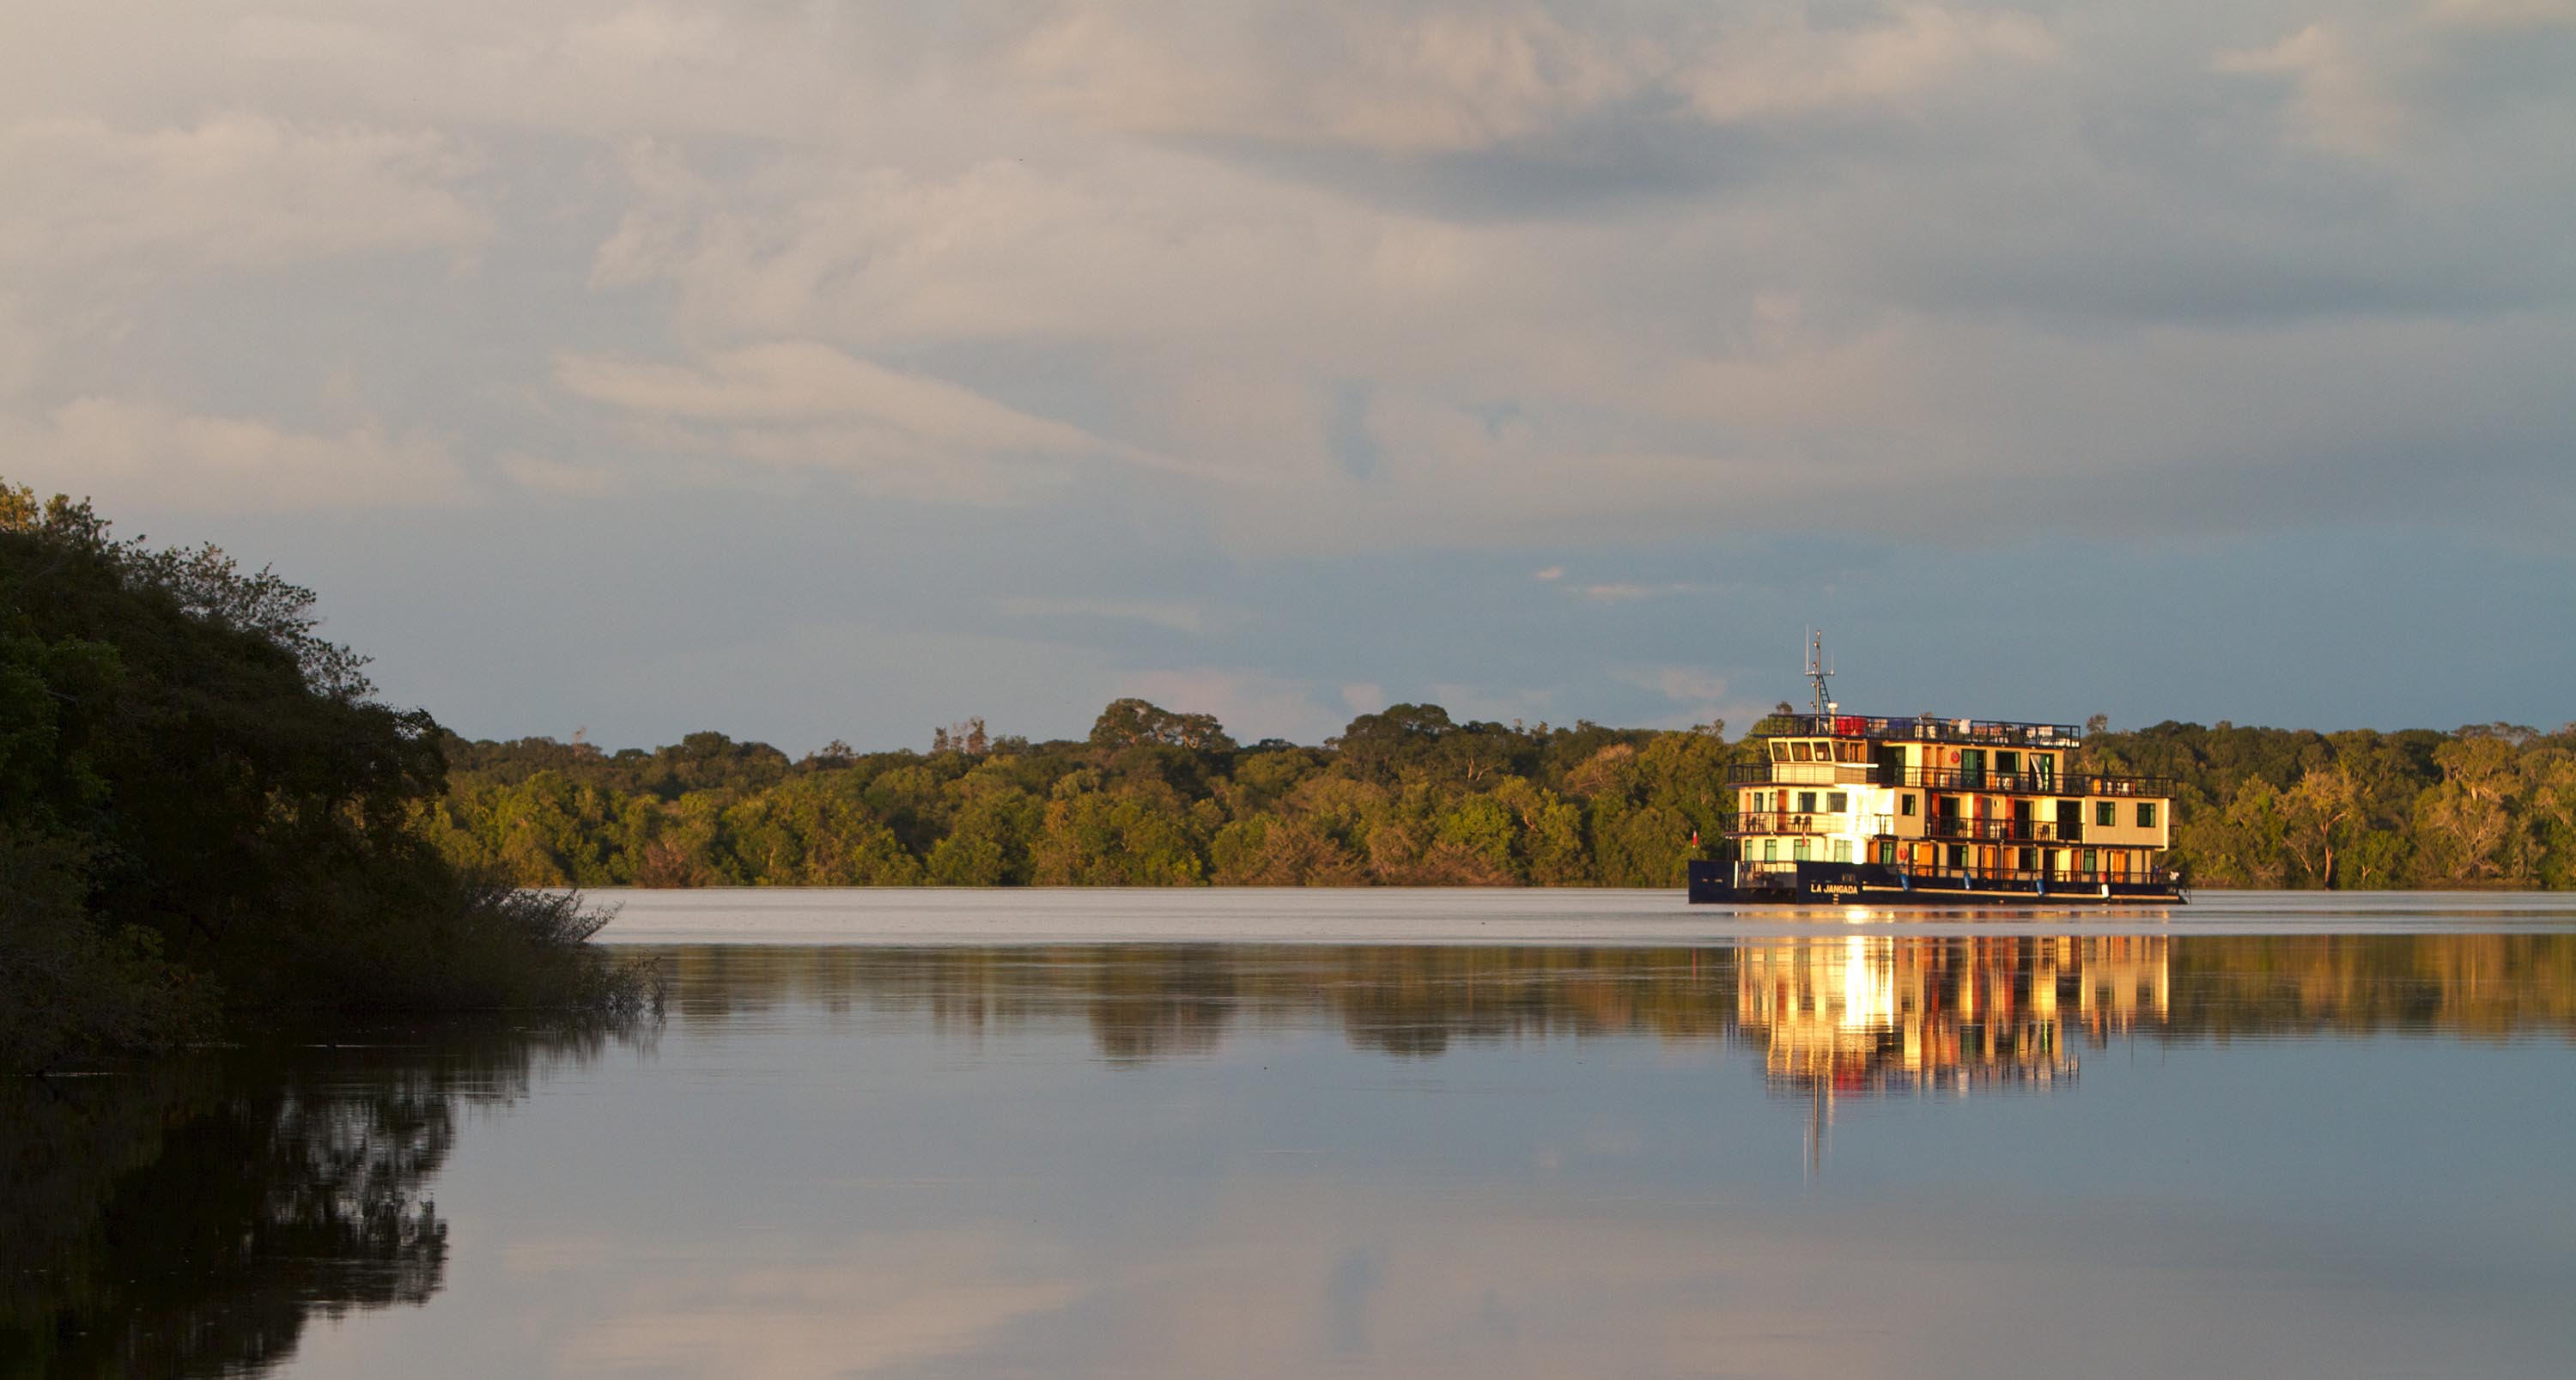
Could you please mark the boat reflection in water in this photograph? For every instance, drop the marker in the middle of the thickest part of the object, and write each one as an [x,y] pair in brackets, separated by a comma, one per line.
[1866,1014]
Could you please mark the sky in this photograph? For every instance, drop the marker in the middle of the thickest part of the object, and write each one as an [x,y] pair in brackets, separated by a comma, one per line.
[840,370]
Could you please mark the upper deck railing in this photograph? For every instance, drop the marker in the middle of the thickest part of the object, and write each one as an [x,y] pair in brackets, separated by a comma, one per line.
[1950,779]
[1922,728]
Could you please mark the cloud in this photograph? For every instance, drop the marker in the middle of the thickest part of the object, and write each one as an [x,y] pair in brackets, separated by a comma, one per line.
[1178,615]
[1411,81]
[1613,593]
[1781,64]
[141,455]
[234,190]
[548,475]
[1252,704]
[808,406]
[2368,85]
[2344,100]
[1266,288]
[1548,573]
[1435,79]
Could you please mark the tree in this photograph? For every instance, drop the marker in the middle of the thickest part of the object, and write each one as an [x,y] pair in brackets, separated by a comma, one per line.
[200,789]
[2468,818]
[2313,816]
[1128,722]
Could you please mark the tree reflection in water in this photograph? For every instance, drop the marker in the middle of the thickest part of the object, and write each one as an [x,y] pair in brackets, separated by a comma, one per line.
[1988,1008]
[191,1217]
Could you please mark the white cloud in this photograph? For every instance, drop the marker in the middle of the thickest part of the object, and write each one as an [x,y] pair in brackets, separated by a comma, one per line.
[1399,274]
[802,405]
[145,456]
[1441,79]
[1698,694]
[2344,97]
[2503,14]
[1251,704]
[238,189]
[1179,615]
[1783,65]
[1622,592]
[550,475]
[1434,79]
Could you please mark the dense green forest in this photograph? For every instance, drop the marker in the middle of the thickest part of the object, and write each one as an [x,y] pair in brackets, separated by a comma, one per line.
[203,807]
[1410,796]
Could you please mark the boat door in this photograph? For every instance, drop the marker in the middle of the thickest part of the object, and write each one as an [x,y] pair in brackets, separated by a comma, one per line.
[1972,767]
[2021,819]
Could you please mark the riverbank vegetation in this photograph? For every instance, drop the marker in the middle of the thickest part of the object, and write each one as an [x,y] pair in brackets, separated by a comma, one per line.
[203,808]
[1411,796]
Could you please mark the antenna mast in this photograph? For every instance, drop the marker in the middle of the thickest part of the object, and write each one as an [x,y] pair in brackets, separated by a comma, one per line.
[1818,671]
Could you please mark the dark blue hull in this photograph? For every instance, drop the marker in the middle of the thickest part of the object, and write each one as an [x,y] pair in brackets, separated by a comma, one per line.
[1870,884]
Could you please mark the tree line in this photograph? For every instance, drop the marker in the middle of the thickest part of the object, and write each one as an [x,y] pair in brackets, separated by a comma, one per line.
[2484,806]
[1411,796]
[1152,797]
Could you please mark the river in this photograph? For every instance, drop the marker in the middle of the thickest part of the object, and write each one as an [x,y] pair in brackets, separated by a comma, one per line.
[1436,1134]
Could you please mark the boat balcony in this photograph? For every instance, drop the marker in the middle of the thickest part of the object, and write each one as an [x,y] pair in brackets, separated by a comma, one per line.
[2004,830]
[1808,774]
[1753,823]
[1950,779]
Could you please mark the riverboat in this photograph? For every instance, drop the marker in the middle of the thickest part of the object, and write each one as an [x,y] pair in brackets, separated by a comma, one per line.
[1856,810]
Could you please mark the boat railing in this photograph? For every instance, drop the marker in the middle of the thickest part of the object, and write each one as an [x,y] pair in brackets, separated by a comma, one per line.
[1955,779]
[2155,876]
[2004,830]
[1784,873]
[1806,822]
[1921,728]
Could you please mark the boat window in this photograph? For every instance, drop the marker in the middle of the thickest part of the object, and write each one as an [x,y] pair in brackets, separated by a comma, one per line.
[2092,860]
[1806,802]
[1842,850]
[1770,850]
[1800,752]
[2008,763]
[2105,813]
[1836,802]
[1800,849]
[1779,751]
[2146,815]
[1905,804]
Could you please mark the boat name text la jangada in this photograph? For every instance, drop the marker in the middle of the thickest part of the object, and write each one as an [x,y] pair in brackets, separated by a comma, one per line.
[1848,809]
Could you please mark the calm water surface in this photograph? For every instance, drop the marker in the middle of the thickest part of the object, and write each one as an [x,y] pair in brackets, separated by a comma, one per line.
[1629,1141]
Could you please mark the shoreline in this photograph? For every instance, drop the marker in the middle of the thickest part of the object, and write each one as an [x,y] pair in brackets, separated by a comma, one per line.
[1037,916]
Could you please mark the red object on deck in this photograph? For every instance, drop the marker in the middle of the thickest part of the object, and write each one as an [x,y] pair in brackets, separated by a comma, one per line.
[1847,726]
